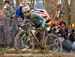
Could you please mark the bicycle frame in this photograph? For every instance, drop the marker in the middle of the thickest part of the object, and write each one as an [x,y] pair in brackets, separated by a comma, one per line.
[32,35]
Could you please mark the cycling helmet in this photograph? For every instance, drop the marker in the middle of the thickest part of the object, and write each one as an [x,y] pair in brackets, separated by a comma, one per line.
[25,9]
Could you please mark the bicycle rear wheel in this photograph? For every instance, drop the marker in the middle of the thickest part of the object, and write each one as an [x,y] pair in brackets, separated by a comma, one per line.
[52,42]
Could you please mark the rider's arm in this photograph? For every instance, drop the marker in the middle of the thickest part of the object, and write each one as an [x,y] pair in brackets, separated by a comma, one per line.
[38,16]
[43,20]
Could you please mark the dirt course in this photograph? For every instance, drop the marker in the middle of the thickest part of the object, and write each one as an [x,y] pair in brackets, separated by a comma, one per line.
[34,53]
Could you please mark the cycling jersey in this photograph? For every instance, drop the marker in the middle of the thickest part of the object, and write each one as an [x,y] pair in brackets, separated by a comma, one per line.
[36,19]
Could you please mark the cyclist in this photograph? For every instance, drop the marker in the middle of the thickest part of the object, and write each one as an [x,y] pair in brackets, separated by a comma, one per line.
[8,10]
[35,18]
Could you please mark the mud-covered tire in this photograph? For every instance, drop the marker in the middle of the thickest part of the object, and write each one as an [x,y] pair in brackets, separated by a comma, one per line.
[52,42]
[28,41]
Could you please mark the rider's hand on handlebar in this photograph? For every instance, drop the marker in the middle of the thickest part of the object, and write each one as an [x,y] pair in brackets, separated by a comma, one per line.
[20,29]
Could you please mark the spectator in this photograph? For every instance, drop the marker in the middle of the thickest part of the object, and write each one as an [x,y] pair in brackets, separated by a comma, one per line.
[71,37]
[1,24]
[19,10]
[8,10]
[1,13]
[3,29]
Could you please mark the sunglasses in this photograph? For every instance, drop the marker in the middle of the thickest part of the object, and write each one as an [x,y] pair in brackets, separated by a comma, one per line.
[27,12]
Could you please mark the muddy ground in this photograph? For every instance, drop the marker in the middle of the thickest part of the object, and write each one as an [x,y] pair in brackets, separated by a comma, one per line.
[34,53]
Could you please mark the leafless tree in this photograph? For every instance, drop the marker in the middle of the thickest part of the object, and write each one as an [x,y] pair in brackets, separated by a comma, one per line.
[51,7]
[1,3]
[67,12]
[72,11]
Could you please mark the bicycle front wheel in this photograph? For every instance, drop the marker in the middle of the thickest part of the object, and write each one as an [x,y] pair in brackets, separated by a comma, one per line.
[23,40]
